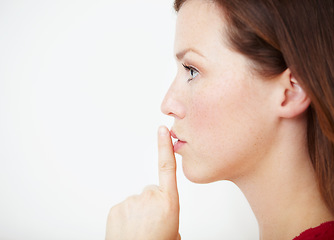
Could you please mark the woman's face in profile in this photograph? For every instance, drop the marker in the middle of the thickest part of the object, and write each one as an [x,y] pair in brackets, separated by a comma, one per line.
[219,106]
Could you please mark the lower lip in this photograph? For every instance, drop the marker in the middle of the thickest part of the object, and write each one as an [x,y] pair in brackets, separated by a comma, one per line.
[178,145]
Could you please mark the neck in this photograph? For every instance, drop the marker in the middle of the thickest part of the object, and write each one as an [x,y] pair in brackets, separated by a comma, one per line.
[284,194]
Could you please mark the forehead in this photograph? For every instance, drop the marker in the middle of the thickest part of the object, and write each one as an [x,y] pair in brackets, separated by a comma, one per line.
[199,24]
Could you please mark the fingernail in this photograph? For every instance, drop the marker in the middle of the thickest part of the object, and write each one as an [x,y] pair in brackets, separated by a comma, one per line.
[163,131]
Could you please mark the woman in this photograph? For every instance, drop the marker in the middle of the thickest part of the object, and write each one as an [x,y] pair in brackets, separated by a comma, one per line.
[253,103]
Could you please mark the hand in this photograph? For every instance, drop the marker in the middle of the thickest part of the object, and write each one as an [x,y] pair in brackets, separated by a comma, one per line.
[154,214]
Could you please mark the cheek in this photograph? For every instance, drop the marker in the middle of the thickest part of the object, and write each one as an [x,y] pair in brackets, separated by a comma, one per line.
[216,112]
[223,129]
[204,114]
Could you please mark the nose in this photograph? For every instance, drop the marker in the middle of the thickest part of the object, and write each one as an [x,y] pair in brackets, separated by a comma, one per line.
[173,103]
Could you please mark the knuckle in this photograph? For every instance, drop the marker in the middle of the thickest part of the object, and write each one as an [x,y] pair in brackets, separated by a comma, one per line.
[166,166]
[149,188]
[130,198]
[113,212]
[122,208]
[150,192]
[130,201]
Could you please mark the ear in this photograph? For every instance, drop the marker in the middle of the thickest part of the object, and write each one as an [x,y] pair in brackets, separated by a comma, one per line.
[294,100]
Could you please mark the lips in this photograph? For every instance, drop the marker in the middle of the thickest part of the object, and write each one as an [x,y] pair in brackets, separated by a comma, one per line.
[178,143]
[173,134]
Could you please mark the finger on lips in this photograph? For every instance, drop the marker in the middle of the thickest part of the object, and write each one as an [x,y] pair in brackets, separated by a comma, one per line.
[167,162]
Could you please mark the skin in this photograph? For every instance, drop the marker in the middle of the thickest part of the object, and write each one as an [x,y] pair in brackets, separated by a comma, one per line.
[155,213]
[225,103]
[236,126]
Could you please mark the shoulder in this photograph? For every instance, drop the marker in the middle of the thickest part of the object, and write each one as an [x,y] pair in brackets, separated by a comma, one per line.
[324,231]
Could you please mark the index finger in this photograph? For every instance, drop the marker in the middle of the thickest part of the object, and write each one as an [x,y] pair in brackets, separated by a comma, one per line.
[167,162]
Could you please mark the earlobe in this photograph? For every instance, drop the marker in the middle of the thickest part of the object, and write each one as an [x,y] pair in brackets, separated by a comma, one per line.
[295,100]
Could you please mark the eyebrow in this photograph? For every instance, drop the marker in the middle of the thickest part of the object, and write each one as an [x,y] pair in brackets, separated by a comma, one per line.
[181,54]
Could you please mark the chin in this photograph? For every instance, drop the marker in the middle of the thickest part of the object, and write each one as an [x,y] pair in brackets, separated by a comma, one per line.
[197,175]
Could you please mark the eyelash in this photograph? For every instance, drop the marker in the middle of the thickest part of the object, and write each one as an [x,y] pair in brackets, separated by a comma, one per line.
[189,69]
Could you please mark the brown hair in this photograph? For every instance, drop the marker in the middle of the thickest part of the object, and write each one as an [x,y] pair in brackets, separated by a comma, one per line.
[294,34]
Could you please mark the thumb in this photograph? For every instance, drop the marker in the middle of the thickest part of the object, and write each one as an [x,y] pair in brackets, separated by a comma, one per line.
[167,162]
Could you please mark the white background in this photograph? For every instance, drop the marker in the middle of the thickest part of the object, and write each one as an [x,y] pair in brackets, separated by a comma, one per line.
[81,84]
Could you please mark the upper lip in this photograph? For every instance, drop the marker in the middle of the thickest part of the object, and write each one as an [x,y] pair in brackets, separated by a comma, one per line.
[175,136]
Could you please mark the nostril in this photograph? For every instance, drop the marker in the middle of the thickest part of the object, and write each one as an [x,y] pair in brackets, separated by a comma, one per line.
[171,114]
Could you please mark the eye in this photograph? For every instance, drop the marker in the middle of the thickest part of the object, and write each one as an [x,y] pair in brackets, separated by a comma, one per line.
[193,72]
